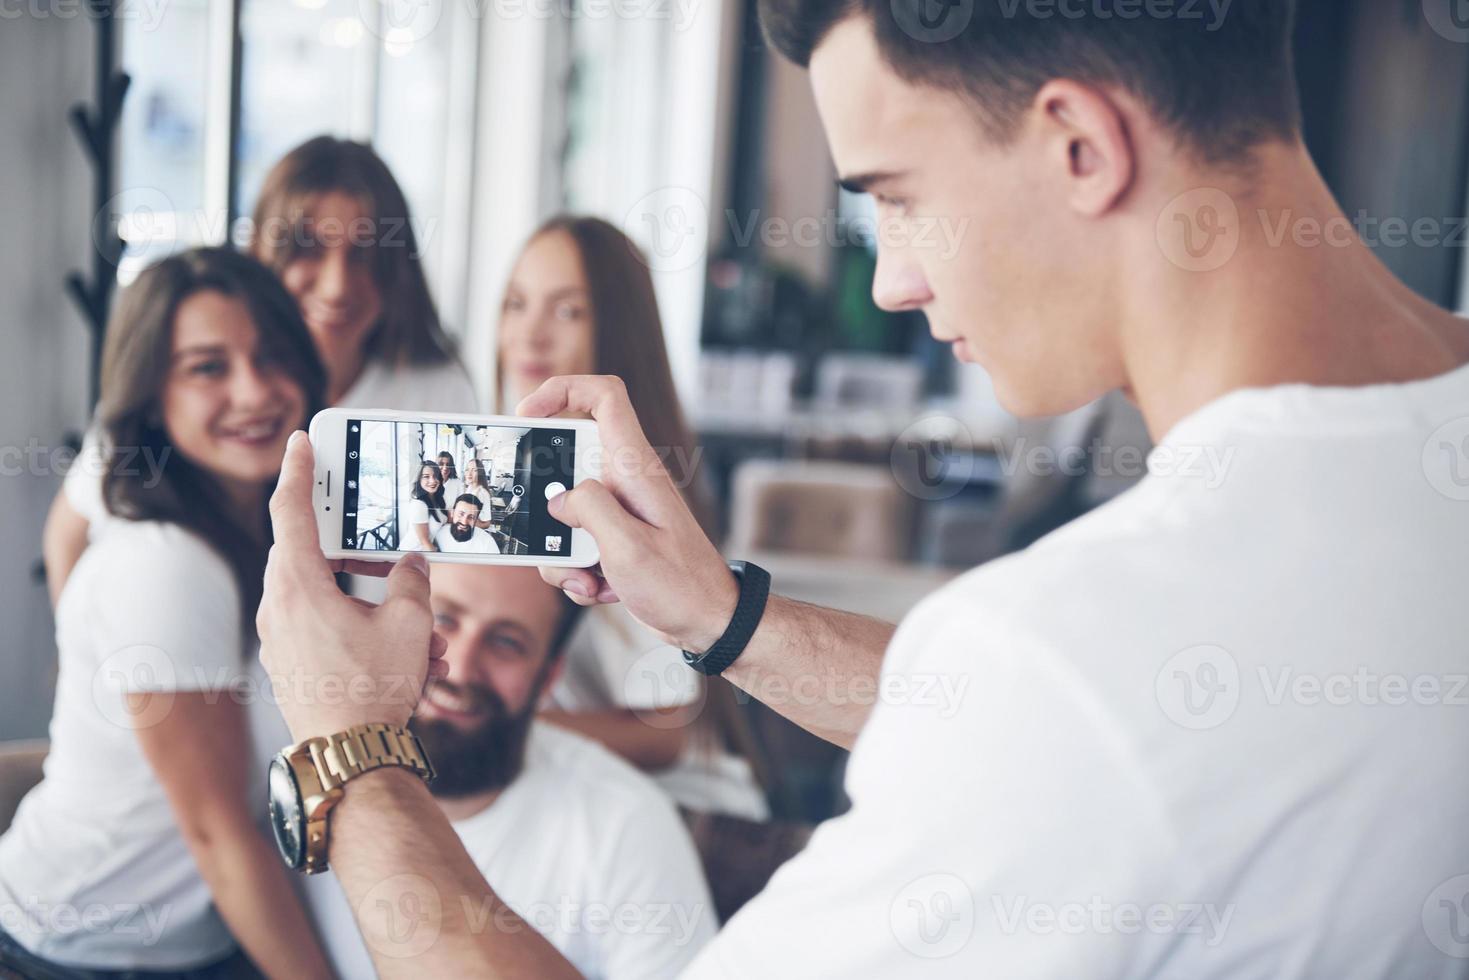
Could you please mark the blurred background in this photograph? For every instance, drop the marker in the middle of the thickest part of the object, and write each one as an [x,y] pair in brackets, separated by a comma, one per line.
[846,448]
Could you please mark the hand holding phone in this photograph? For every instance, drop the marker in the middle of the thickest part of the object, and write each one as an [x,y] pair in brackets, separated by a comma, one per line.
[655,558]
[465,488]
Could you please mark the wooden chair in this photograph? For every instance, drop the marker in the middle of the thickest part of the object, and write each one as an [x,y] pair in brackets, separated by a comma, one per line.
[20,771]
[740,856]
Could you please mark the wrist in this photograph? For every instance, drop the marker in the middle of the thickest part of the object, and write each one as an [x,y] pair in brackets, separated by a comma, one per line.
[318,705]
[305,725]
[716,614]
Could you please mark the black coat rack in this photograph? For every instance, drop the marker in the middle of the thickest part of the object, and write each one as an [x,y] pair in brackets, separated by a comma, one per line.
[97,129]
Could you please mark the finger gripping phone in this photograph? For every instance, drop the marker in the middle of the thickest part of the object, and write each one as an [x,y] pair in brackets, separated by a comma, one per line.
[461,488]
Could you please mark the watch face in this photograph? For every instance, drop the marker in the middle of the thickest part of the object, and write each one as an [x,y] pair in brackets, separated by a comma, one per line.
[286,818]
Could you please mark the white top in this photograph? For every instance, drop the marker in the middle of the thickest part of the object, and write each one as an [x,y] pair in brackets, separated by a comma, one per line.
[415,512]
[83,483]
[613,661]
[439,388]
[481,542]
[94,872]
[583,848]
[1215,728]
[453,487]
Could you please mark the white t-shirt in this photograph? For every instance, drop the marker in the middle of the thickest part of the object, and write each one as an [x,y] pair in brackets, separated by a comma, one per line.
[583,848]
[453,487]
[414,513]
[94,872]
[443,388]
[613,661]
[83,483]
[481,542]
[1216,728]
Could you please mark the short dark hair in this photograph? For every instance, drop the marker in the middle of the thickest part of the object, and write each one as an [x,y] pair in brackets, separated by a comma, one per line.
[469,498]
[1222,82]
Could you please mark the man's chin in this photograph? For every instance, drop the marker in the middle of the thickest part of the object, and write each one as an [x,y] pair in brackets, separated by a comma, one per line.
[470,760]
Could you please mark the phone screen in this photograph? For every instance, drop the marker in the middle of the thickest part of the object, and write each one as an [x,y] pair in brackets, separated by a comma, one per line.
[435,486]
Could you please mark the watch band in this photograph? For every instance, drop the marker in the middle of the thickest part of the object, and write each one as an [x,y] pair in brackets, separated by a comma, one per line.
[338,759]
[754,591]
[363,748]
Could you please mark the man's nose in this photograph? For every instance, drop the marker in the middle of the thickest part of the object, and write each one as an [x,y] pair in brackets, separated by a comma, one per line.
[899,284]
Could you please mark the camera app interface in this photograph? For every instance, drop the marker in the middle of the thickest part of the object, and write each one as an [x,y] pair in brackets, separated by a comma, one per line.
[432,486]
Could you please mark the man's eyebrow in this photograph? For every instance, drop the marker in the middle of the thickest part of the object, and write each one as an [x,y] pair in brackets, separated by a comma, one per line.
[508,625]
[449,604]
[862,183]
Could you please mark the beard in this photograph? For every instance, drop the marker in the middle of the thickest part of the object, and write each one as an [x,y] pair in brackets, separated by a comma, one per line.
[486,757]
[461,532]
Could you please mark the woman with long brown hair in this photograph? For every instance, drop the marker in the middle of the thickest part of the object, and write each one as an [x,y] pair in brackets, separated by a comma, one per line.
[147,820]
[580,301]
[334,226]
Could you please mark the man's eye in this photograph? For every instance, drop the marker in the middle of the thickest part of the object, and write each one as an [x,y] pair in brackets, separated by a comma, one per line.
[898,204]
[508,644]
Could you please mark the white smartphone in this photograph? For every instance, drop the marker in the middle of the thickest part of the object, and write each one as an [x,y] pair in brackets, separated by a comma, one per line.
[464,488]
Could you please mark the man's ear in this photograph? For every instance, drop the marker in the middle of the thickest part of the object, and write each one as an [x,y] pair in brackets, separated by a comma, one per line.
[1088,141]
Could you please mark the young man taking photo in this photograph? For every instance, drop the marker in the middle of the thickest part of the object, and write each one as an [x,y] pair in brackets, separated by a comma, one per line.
[1209,728]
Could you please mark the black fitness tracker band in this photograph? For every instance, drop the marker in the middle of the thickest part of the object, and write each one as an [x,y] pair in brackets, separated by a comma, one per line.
[754,590]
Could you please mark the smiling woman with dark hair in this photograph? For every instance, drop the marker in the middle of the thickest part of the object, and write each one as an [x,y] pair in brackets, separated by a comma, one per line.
[334,225]
[150,798]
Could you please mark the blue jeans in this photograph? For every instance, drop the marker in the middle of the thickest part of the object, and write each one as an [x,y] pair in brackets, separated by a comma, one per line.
[18,960]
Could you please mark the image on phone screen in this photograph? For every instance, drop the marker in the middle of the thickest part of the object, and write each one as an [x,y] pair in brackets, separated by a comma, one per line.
[472,489]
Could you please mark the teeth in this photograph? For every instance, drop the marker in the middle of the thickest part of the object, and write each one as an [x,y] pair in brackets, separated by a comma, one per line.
[450,701]
[259,430]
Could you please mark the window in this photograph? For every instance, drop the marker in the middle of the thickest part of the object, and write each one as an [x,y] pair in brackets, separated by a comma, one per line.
[368,70]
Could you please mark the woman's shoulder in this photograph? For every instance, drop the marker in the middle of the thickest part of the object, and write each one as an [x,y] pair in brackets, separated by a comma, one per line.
[149,555]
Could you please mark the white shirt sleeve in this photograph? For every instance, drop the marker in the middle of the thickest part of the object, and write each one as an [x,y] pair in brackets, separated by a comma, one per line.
[166,609]
[994,809]
[83,483]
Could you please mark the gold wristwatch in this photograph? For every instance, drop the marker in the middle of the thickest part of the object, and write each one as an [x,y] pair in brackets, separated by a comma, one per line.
[306,781]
